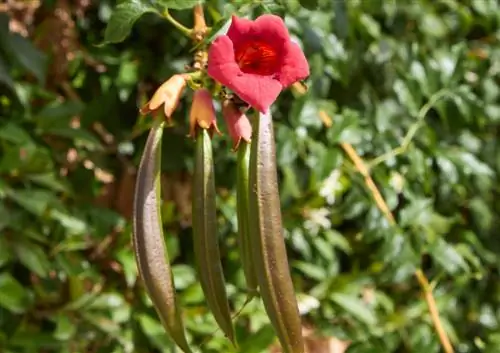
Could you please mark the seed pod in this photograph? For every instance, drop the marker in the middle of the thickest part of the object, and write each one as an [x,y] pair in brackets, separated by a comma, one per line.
[243,221]
[149,244]
[266,234]
[206,248]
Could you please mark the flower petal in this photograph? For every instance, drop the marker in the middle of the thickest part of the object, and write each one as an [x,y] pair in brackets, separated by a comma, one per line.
[239,29]
[258,91]
[294,66]
[267,28]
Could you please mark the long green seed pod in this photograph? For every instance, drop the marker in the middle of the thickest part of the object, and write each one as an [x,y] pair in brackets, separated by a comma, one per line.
[269,252]
[149,244]
[243,222]
[206,248]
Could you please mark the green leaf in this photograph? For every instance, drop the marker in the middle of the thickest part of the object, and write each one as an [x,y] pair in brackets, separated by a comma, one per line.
[309,4]
[65,329]
[259,341]
[4,75]
[184,276]
[5,250]
[448,257]
[33,257]
[311,270]
[23,52]
[13,296]
[179,4]
[123,19]
[355,307]
[34,201]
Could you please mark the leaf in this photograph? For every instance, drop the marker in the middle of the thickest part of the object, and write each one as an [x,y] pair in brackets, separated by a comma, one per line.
[33,257]
[65,329]
[123,19]
[259,341]
[179,4]
[448,257]
[356,307]
[4,75]
[34,201]
[14,133]
[13,296]
[310,270]
[5,250]
[184,276]
[22,51]
[309,4]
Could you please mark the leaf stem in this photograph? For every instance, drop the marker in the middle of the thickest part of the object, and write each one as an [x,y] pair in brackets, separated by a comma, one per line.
[186,31]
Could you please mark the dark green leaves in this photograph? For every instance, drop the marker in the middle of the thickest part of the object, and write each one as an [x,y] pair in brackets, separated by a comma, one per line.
[128,12]
[179,4]
[13,296]
[123,18]
[309,4]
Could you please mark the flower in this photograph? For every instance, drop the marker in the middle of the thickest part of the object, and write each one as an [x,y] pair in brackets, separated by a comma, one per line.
[202,112]
[237,123]
[317,219]
[331,186]
[168,94]
[257,60]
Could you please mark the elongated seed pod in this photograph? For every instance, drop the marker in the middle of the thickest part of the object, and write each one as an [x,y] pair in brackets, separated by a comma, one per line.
[269,252]
[243,215]
[206,248]
[149,244]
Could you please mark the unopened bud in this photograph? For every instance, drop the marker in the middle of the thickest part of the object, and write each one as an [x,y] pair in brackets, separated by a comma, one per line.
[202,113]
[168,94]
[238,125]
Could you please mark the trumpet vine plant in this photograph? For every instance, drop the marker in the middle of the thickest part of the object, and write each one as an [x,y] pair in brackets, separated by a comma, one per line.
[245,69]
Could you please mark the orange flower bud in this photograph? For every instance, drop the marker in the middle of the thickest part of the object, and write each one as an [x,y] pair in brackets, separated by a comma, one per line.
[237,123]
[202,112]
[168,94]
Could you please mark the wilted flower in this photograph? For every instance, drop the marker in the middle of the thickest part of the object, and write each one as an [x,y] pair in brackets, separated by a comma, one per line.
[168,94]
[256,60]
[237,123]
[202,112]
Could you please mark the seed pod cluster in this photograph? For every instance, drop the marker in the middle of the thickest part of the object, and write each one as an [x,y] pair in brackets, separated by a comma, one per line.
[260,236]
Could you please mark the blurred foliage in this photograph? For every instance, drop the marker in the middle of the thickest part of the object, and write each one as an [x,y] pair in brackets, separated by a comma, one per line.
[414,86]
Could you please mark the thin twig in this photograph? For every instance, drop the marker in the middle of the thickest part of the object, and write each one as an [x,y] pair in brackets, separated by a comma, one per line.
[431,303]
[382,205]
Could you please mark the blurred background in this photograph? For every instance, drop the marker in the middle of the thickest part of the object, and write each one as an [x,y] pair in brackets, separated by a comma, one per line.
[413,86]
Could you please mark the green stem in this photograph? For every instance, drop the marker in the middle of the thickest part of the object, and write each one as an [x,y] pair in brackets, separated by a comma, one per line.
[186,31]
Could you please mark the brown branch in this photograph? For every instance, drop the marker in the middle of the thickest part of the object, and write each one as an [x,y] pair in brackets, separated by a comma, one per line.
[382,205]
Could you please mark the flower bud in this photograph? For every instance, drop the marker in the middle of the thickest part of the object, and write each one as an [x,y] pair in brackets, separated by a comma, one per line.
[237,123]
[202,112]
[168,94]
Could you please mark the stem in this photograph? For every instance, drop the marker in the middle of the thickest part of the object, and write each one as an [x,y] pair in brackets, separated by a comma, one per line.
[186,31]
